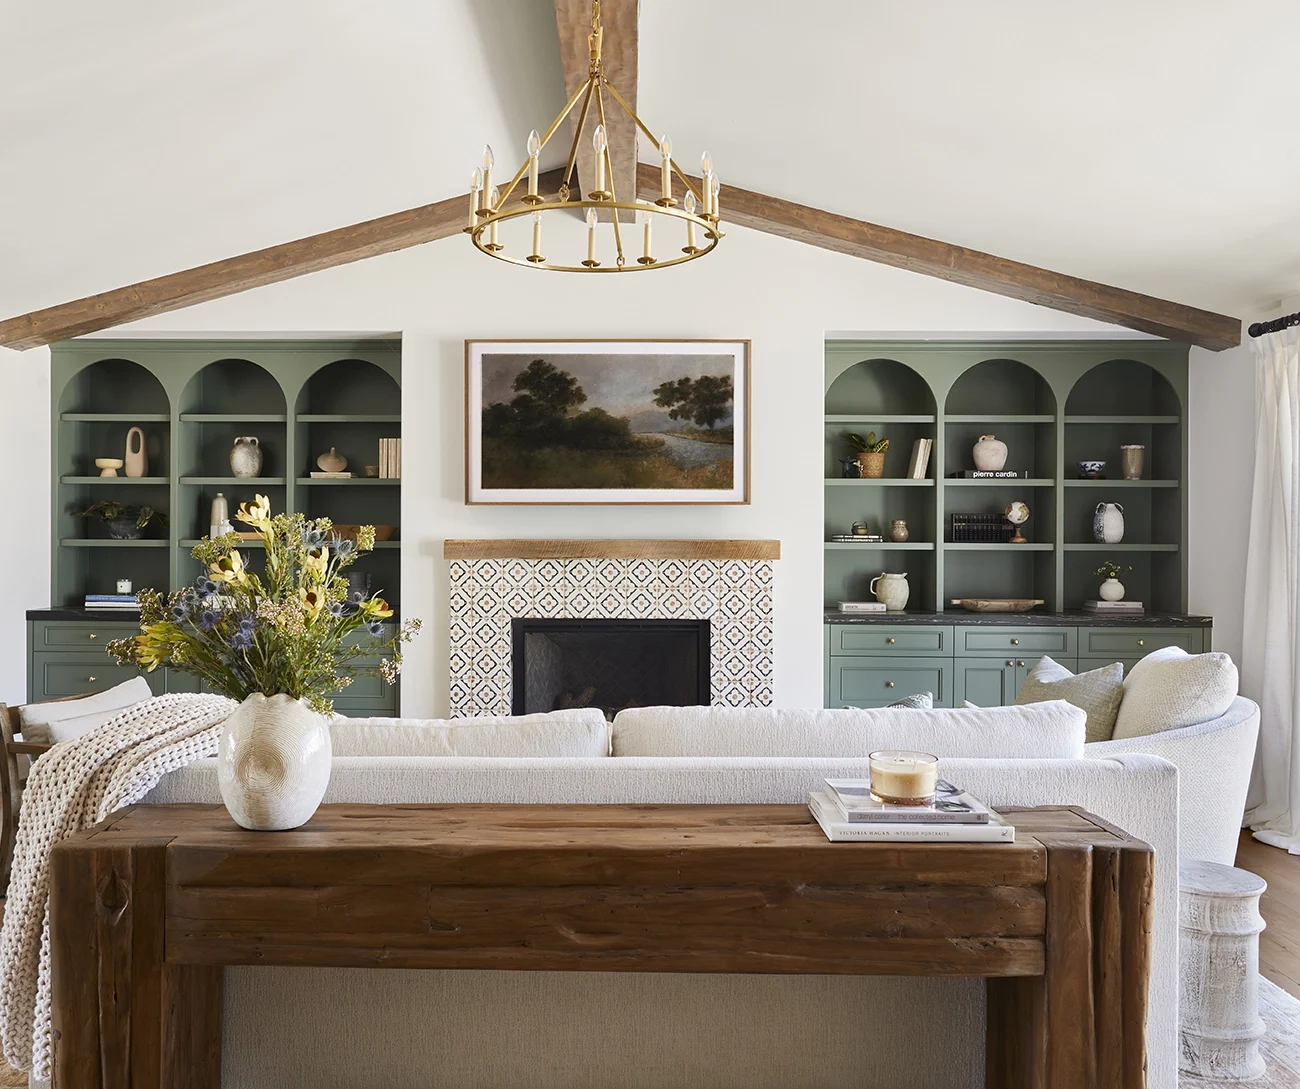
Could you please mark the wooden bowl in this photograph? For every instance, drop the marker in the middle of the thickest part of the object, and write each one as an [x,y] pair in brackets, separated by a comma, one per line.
[997,604]
[349,532]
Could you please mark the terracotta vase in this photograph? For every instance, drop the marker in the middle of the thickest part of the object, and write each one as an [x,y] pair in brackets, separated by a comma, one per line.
[273,763]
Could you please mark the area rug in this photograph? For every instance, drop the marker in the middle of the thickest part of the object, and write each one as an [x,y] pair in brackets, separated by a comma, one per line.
[1280,1045]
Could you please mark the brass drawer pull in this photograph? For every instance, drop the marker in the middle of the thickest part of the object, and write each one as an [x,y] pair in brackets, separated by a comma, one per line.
[90,680]
[1021,664]
[889,684]
[891,639]
[1142,642]
[93,635]
[1010,662]
[1015,642]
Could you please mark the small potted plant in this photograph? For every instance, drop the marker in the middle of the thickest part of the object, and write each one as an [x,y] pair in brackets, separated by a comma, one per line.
[1112,589]
[125,521]
[871,453]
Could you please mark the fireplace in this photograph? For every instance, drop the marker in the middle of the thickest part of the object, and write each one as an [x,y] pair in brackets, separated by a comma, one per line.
[610,664]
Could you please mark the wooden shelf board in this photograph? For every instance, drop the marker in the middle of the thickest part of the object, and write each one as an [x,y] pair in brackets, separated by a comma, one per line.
[622,549]
[1122,483]
[115,417]
[327,417]
[1006,418]
[191,542]
[1122,419]
[892,546]
[108,542]
[270,481]
[371,481]
[113,480]
[233,417]
[1123,546]
[880,417]
[879,482]
[963,546]
[1006,481]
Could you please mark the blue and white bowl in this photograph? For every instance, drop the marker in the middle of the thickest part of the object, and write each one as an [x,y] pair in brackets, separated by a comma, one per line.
[1092,470]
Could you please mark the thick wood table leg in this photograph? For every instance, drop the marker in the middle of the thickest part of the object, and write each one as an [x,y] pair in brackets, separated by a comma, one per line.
[1082,1025]
[122,1017]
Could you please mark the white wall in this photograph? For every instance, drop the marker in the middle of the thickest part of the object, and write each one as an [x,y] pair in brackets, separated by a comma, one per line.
[782,295]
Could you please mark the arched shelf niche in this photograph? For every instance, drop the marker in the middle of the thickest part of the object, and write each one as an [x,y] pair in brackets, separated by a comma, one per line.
[114,386]
[1123,387]
[1000,387]
[883,387]
[1010,400]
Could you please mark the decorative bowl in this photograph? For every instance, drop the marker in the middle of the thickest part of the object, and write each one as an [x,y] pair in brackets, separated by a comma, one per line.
[997,604]
[108,466]
[349,532]
[1092,470]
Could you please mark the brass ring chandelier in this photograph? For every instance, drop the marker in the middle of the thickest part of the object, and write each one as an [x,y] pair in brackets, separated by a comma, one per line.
[698,211]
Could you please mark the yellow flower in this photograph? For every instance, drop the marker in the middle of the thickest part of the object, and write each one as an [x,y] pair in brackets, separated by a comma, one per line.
[377,607]
[229,569]
[257,514]
[317,561]
[148,652]
[312,600]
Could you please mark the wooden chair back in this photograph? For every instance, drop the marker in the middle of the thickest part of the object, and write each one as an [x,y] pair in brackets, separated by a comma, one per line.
[18,756]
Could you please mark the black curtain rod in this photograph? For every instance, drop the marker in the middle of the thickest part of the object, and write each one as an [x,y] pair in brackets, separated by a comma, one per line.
[1259,328]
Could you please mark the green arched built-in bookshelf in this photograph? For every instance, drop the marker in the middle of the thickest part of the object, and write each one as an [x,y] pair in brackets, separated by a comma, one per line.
[1054,403]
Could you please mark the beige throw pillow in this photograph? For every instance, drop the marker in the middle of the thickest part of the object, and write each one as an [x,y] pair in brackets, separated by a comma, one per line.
[1098,692]
[48,723]
[1169,689]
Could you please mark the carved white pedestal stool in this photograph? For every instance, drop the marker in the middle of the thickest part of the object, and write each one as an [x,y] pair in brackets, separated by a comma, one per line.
[1218,979]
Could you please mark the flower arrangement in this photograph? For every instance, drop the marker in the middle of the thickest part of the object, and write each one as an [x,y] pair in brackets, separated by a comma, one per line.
[287,631]
[1111,570]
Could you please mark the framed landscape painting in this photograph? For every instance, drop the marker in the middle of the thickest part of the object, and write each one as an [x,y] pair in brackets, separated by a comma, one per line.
[624,421]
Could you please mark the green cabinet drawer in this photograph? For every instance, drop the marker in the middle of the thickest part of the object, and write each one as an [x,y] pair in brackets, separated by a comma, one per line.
[876,682]
[55,675]
[891,639]
[66,635]
[1115,643]
[1128,662]
[998,641]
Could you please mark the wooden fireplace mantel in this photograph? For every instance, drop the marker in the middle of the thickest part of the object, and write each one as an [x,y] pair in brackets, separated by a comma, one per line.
[687,549]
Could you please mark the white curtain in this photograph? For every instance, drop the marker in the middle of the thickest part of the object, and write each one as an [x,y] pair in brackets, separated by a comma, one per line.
[1270,652]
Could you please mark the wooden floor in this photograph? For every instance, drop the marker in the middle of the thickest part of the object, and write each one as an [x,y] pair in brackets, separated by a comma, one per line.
[1279,945]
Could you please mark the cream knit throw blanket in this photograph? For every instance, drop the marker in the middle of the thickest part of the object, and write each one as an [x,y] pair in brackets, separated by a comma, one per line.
[71,787]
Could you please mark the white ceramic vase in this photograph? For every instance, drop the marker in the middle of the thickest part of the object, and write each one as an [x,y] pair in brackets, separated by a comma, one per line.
[1108,523]
[274,762]
[892,590]
[989,454]
[246,456]
[1111,590]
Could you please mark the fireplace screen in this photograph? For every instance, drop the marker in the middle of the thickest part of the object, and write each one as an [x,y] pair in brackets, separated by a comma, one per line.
[610,664]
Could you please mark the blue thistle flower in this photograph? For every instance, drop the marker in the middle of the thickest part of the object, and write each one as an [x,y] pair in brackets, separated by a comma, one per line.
[208,619]
[375,627]
[242,639]
[338,609]
[179,613]
[247,622]
[205,585]
[343,547]
[312,537]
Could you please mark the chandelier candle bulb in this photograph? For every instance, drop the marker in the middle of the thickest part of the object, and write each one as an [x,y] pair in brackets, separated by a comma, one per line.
[900,777]
[600,142]
[715,187]
[646,256]
[688,206]
[536,256]
[666,170]
[494,199]
[591,261]
[488,160]
[475,186]
[534,150]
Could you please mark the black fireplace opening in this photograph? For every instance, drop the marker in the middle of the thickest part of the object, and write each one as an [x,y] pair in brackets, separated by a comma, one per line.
[610,664]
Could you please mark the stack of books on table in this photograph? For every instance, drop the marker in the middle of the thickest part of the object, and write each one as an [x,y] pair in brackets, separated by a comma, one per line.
[117,602]
[846,811]
[862,606]
[1114,608]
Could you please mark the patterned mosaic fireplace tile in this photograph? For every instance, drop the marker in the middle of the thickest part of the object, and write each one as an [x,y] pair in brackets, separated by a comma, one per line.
[735,596]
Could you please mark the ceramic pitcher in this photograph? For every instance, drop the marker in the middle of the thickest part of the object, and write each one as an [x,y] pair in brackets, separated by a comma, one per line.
[892,590]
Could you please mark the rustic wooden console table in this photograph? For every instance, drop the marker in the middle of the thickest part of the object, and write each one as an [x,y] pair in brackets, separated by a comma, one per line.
[148,906]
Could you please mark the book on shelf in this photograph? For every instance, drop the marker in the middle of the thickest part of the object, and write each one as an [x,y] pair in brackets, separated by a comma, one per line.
[858,538]
[952,805]
[390,458]
[862,607]
[990,474]
[919,466]
[321,474]
[110,597]
[826,814]
[1114,606]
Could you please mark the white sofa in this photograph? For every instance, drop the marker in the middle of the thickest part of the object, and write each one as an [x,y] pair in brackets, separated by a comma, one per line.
[400,1029]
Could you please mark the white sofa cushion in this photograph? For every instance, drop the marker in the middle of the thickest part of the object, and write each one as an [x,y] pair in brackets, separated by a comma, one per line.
[47,723]
[1097,691]
[1051,730]
[1170,688]
[580,732]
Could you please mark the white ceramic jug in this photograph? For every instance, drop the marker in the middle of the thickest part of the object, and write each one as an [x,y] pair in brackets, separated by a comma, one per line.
[892,590]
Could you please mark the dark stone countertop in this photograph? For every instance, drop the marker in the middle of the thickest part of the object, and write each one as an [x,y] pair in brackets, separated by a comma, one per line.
[99,616]
[1031,619]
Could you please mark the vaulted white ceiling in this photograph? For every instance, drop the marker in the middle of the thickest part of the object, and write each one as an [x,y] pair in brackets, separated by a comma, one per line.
[1149,145]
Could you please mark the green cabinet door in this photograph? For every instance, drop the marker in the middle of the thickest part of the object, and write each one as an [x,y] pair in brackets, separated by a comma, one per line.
[986,682]
[877,682]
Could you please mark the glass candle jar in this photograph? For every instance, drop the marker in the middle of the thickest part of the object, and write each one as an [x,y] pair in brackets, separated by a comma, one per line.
[900,777]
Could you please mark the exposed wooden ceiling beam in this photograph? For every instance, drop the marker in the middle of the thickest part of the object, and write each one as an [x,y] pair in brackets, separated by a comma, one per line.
[619,59]
[973,268]
[235,274]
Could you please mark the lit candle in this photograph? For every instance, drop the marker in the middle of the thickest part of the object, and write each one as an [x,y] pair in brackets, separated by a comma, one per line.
[646,256]
[487,169]
[688,206]
[475,187]
[536,255]
[494,198]
[534,150]
[666,169]
[899,777]
[600,143]
[706,172]
[591,261]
